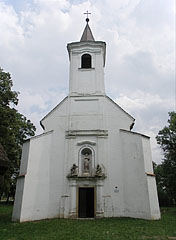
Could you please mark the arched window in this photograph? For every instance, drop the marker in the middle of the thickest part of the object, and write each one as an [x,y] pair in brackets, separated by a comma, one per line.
[86,61]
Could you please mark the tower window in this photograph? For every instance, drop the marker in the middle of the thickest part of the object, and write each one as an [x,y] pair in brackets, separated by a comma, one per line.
[86,61]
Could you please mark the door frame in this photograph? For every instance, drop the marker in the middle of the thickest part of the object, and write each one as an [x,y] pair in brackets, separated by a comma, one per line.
[77,199]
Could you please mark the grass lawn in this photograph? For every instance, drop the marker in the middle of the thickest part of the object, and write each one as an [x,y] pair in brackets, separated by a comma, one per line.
[97,229]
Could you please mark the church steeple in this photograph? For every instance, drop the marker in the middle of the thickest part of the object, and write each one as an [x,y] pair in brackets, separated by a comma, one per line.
[87,34]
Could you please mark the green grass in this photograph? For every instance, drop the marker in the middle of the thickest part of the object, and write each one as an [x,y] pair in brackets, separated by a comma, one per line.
[97,229]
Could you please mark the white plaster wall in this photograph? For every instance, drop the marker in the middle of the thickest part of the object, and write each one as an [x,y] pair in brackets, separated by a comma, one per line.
[153,198]
[140,195]
[25,154]
[114,118]
[147,154]
[18,199]
[85,81]
[46,186]
[89,81]
[56,116]
[92,113]
[37,197]
[152,190]
[136,201]
[101,113]
[20,182]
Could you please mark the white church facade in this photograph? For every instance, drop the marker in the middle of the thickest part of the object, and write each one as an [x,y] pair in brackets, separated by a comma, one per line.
[87,163]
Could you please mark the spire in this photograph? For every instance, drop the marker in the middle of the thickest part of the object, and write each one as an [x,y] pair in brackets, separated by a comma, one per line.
[87,34]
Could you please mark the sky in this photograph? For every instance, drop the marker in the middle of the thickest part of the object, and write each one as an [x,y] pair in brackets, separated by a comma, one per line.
[140,59]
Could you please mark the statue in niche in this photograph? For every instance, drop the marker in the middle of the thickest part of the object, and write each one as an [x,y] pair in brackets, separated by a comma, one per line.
[98,171]
[74,171]
[86,166]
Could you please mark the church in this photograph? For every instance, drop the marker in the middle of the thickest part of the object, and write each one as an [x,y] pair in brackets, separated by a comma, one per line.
[88,163]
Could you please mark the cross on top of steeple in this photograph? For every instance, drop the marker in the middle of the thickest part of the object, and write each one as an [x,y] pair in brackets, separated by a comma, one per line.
[87,34]
[87,19]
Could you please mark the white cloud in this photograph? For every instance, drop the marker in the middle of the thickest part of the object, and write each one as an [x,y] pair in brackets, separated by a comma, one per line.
[142,101]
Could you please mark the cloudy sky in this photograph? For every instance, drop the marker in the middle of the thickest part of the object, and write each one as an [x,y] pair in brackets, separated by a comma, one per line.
[140,60]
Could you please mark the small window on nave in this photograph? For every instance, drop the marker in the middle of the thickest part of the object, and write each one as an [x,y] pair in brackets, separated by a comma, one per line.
[86,61]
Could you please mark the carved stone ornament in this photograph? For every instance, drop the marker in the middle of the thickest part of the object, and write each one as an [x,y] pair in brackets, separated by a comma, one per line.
[73,171]
[99,172]
[86,163]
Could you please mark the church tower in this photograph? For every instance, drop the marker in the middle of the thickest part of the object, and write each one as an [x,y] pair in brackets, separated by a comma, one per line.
[87,61]
[87,163]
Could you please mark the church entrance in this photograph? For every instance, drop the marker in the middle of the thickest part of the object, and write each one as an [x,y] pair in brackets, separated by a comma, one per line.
[86,202]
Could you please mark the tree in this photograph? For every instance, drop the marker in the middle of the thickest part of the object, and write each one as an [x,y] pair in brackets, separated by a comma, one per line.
[166,171]
[14,129]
